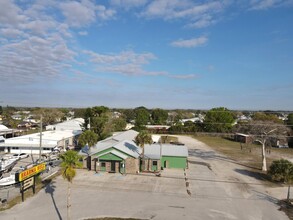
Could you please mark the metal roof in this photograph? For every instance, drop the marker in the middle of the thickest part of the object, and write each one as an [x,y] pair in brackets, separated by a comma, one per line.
[128,147]
[126,135]
[74,124]
[115,152]
[49,139]
[153,151]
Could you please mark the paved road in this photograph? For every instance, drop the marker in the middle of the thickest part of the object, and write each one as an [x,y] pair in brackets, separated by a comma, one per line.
[219,190]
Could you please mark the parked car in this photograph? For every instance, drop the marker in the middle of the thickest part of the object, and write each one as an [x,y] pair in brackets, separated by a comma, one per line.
[20,156]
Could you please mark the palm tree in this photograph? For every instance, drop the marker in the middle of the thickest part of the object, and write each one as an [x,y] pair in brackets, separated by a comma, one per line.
[70,161]
[88,137]
[143,137]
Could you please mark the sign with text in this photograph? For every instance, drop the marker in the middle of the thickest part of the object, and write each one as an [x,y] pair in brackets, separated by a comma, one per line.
[30,172]
[28,183]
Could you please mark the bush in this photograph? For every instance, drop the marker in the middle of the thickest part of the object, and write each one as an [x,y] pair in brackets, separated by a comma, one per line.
[281,170]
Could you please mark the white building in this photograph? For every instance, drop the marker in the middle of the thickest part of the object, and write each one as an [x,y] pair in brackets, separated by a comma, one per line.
[31,143]
[7,132]
[75,124]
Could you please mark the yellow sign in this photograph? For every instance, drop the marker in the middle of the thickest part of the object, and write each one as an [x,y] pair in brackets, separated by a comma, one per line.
[31,171]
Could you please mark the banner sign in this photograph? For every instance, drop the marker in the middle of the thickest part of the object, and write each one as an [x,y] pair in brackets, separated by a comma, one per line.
[30,172]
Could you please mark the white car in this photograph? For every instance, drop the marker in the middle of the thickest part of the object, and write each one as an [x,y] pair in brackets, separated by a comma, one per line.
[20,156]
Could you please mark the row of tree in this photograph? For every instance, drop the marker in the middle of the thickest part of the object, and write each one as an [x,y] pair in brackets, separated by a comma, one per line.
[215,120]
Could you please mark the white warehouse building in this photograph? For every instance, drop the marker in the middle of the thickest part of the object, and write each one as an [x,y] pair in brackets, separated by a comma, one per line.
[75,124]
[30,144]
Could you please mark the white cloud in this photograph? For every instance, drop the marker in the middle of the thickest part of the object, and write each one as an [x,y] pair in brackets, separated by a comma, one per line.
[39,27]
[196,14]
[83,33]
[121,58]
[194,42]
[126,63]
[10,14]
[35,57]
[131,69]
[183,76]
[129,63]
[266,4]
[11,32]
[103,13]
[203,21]
[128,3]
[34,43]
[165,9]
[82,13]
[78,13]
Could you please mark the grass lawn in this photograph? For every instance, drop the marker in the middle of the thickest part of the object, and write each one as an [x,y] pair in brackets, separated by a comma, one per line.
[248,155]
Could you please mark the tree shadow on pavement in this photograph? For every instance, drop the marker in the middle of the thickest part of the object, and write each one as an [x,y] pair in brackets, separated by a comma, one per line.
[50,188]
[256,175]
[266,197]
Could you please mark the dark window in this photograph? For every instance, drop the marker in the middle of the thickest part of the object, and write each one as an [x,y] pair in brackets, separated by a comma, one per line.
[103,164]
[155,163]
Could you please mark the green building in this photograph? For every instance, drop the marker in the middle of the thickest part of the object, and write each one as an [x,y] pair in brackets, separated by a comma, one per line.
[162,156]
[120,154]
[116,154]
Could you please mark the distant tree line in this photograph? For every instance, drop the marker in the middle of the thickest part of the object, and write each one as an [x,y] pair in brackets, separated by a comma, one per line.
[103,120]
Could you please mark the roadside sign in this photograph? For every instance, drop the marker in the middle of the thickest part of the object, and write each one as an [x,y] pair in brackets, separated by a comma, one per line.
[30,172]
[27,178]
[28,183]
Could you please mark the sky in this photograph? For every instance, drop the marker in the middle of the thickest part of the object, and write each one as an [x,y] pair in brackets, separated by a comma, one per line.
[186,54]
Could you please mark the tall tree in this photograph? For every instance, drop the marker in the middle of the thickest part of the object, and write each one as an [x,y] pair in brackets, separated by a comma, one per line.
[143,137]
[219,120]
[282,170]
[262,116]
[129,114]
[89,138]
[290,120]
[142,117]
[267,133]
[159,116]
[100,126]
[70,161]
[99,110]
[118,124]
[50,115]
[79,113]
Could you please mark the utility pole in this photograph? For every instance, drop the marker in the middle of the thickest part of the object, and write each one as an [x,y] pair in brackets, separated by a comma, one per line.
[89,124]
[41,129]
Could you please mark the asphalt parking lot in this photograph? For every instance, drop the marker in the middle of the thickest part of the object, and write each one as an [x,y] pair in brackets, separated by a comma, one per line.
[217,192]
[171,181]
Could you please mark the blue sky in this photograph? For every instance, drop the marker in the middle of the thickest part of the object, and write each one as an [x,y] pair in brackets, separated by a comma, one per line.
[164,53]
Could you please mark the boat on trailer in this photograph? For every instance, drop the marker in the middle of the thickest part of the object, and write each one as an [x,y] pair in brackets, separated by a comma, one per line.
[7,181]
[6,164]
